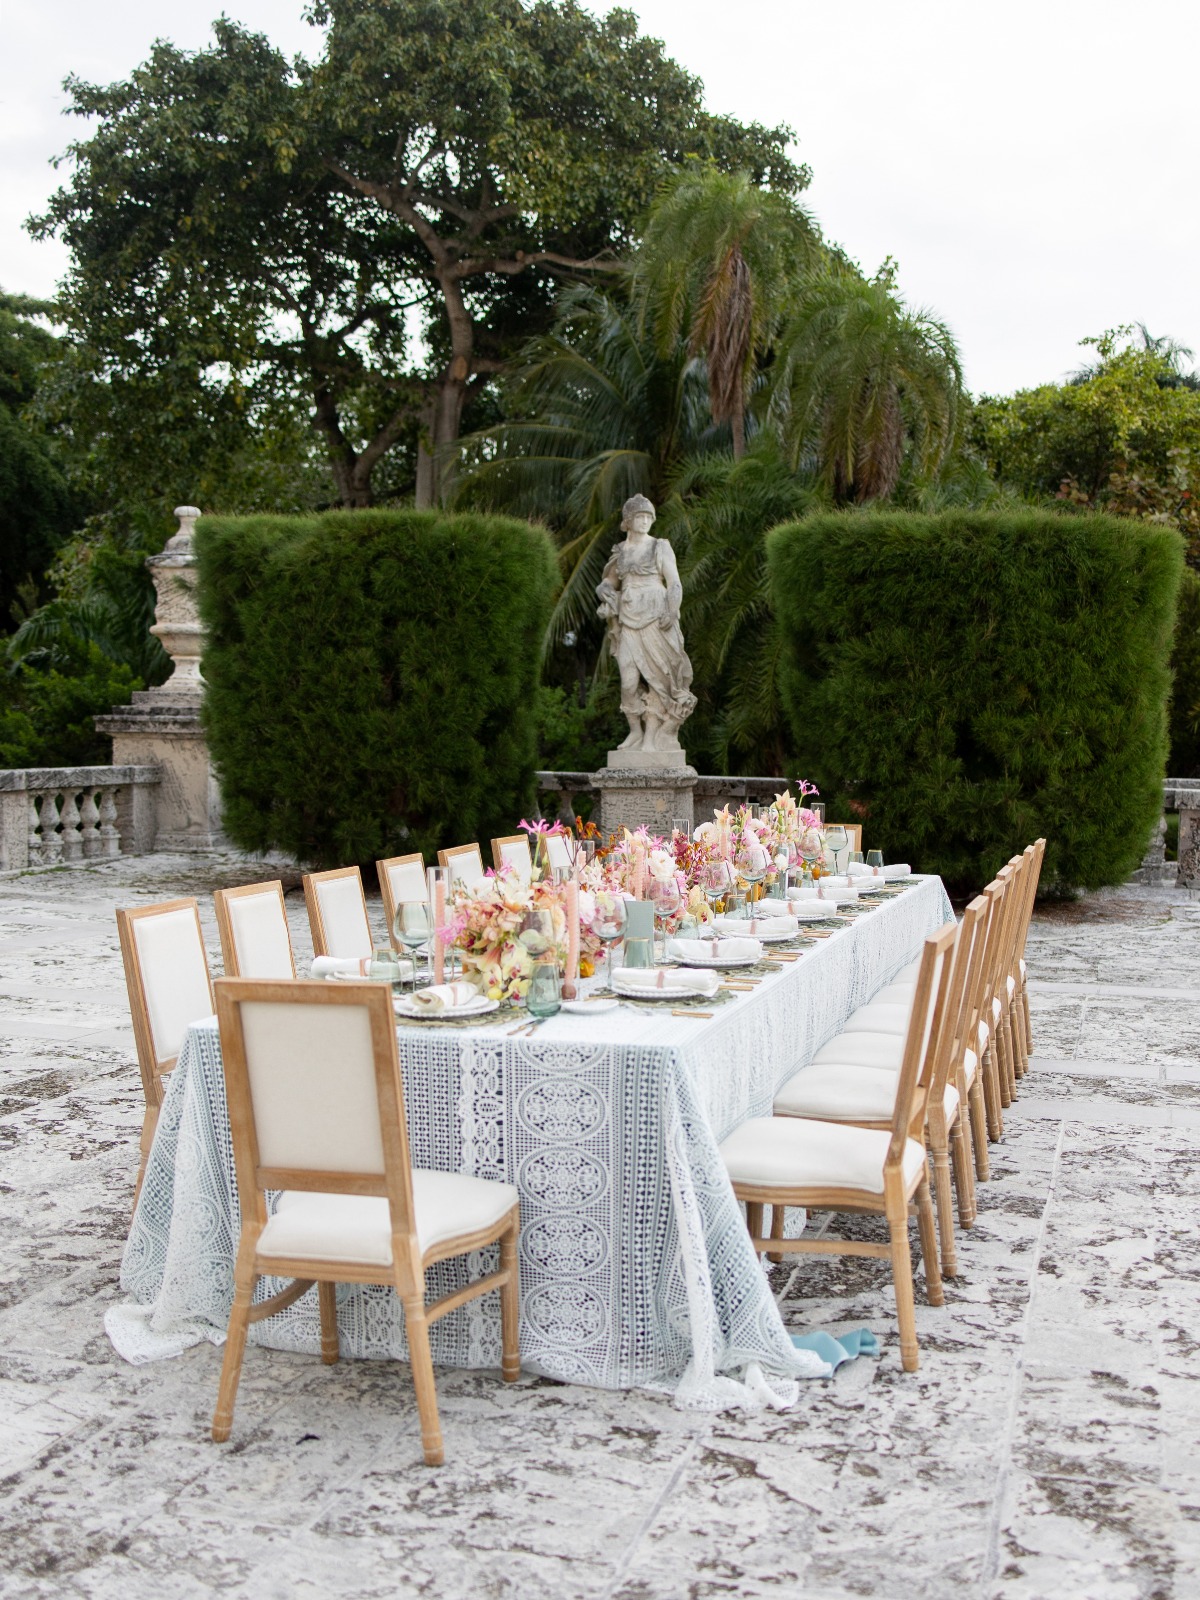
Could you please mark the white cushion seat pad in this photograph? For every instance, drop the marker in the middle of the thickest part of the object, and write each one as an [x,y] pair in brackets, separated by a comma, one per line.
[357,1229]
[908,974]
[847,1094]
[879,1050]
[796,1153]
[895,994]
[879,1017]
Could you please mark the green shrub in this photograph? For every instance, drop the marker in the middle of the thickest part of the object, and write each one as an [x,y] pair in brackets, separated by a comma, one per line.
[372,677]
[970,680]
[46,715]
[1184,760]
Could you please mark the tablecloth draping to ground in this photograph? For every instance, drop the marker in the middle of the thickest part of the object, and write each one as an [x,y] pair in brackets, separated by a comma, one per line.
[636,1267]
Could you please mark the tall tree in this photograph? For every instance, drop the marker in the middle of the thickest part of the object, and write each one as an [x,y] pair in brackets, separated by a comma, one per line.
[718,259]
[861,383]
[371,235]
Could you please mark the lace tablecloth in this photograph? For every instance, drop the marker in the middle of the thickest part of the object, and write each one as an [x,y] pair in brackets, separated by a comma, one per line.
[636,1267]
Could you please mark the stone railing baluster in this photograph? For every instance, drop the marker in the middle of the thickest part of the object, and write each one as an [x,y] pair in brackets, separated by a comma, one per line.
[89,817]
[75,814]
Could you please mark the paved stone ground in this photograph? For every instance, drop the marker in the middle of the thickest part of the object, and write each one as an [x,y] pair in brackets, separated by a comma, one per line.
[1047,1448]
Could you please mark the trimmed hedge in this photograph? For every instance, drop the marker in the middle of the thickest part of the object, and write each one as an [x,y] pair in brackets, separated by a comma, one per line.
[372,678]
[967,681]
[1184,759]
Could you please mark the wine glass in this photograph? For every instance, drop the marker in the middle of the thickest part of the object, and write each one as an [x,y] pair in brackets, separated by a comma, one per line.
[716,883]
[751,861]
[837,841]
[664,897]
[413,925]
[609,923]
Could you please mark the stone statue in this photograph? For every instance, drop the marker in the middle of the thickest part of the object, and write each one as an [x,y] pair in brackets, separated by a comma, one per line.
[639,598]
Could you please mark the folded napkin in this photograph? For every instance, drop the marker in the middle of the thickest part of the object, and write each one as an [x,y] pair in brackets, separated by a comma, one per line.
[630,980]
[845,1347]
[446,996]
[336,966]
[830,890]
[772,908]
[898,869]
[715,949]
[755,927]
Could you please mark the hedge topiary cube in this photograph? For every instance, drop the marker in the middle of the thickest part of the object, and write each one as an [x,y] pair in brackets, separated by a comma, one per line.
[970,680]
[372,677]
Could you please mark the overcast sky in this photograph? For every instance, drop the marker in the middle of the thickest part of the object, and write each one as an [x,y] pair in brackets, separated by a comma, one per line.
[1033,166]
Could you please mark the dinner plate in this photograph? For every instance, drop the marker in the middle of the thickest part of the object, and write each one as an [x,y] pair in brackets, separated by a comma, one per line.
[690,960]
[675,991]
[591,1008]
[764,936]
[480,1006]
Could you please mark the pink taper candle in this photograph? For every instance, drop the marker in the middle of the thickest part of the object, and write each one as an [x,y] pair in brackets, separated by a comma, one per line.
[439,922]
[572,972]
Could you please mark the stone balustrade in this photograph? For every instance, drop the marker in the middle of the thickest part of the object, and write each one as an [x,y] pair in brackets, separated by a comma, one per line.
[50,815]
[709,791]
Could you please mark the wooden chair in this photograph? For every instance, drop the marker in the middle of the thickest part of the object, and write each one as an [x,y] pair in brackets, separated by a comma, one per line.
[513,851]
[1018,995]
[166,974]
[337,912]
[821,1166]
[252,924]
[402,881]
[463,863]
[316,1110]
[854,1092]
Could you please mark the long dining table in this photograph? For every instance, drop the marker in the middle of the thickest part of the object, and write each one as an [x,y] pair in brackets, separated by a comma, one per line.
[636,1266]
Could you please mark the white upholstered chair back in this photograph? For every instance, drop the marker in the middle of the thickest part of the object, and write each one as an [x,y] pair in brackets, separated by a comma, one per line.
[252,922]
[513,851]
[311,1071]
[560,850]
[464,864]
[173,973]
[402,881]
[337,913]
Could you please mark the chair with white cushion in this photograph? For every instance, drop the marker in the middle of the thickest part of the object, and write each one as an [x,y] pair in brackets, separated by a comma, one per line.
[166,974]
[316,1111]
[337,912]
[402,881]
[463,864]
[513,851]
[252,924]
[825,1166]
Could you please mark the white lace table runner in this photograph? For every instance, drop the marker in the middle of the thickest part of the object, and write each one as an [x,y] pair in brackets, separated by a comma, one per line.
[636,1267]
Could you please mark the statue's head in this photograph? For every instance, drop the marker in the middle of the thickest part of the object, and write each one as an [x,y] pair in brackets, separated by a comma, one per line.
[637,506]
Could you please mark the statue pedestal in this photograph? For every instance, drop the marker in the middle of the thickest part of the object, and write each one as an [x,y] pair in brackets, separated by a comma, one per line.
[162,727]
[640,794]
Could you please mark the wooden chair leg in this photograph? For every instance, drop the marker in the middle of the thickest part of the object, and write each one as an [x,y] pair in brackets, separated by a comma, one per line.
[906,1315]
[940,1157]
[327,1299]
[149,1123]
[422,1371]
[778,1214]
[510,1309]
[754,1218]
[928,1232]
[979,1136]
[990,1068]
[1008,1076]
[1017,1029]
[1027,1020]
[964,1178]
[231,1366]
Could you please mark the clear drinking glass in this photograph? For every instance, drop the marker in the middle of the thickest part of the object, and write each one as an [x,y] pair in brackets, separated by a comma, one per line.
[609,924]
[545,989]
[536,933]
[875,859]
[384,966]
[663,895]
[681,826]
[413,926]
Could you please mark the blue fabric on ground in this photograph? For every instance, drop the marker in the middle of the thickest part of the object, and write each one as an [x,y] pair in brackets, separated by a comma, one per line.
[845,1347]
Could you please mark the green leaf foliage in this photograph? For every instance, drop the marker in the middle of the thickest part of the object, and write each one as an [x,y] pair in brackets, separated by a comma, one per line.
[971,680]
[372,677]
[46,717]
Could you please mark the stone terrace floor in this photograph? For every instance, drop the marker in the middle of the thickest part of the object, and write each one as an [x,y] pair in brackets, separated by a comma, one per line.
[1049,1445]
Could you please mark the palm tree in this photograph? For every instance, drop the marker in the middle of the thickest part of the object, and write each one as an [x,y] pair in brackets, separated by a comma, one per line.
[595,414]
[717,260]
[860,382]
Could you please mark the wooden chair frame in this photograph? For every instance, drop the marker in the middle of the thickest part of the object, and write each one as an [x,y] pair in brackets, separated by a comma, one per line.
[221,899]
[511,838]
[312,901]
[908,1122]
[152,1067]
[390,904]
[394,1183]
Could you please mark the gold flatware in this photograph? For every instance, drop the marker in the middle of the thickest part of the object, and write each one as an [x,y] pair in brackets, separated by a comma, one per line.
[699,1015]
